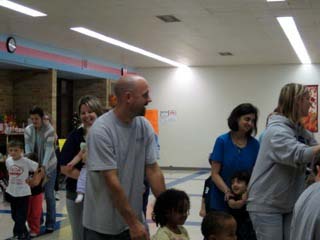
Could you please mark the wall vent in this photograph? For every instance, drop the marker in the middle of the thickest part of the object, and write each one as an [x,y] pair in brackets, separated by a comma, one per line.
[168,18]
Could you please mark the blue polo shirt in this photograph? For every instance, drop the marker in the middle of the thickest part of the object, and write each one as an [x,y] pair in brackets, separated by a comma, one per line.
[232,159]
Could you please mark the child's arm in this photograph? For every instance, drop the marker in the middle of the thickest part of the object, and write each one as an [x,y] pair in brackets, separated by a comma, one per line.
[76,159]
[36,178]
[237,204]
[202,212]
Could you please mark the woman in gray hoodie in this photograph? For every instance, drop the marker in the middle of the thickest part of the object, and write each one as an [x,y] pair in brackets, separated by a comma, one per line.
[278,175]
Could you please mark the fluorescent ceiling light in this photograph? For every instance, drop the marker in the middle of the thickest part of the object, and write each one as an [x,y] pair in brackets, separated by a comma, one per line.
[276,0]
[290,29]
[113,41]
[22,9]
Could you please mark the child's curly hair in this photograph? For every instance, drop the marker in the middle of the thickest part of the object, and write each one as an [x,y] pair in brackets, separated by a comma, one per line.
[214,223]
[167,201]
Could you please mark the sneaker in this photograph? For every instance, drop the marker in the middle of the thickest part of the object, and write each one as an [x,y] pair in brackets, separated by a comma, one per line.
[79,198]
[33,235]
[49,230]
[56,194]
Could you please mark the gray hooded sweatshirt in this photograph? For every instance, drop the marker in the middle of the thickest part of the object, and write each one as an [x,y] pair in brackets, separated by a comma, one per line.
[278,176]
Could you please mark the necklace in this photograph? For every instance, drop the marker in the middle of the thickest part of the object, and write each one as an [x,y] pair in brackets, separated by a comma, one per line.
[239,142]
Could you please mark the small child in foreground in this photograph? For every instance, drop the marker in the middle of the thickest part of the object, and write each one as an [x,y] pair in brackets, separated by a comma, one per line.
[218,226]
[18,189]
[170,212]
[237,203]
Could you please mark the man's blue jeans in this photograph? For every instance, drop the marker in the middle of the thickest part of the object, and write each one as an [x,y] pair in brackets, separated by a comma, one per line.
[50,200]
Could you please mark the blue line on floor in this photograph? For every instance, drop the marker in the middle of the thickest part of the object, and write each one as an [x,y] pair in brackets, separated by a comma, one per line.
[186,178]
[8,211]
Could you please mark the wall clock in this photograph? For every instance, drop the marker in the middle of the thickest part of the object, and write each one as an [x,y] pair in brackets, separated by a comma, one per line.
[11,45]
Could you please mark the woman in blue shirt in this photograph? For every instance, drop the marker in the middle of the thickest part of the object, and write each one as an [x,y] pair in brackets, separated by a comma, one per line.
[233,151]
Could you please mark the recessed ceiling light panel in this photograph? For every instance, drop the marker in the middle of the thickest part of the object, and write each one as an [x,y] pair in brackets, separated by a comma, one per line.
[290,29]
[22,9]
[127,46]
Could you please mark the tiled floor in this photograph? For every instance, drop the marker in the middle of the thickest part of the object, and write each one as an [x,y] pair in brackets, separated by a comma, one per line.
[189,181]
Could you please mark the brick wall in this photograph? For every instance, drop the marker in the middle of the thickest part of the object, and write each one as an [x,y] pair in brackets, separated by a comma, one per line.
[34,87]
[6,97]
[95,87]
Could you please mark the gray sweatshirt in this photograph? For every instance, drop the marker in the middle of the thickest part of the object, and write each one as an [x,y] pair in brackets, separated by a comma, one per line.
[306,215]
[278,176]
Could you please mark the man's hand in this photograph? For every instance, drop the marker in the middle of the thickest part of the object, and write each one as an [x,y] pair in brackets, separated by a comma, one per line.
[138,232]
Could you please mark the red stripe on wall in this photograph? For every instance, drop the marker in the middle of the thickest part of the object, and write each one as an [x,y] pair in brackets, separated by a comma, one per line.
[100,68]
[3,46]
[21,50]
[30,52]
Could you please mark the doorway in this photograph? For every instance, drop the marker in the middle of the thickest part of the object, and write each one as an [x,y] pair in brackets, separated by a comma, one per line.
[64,107]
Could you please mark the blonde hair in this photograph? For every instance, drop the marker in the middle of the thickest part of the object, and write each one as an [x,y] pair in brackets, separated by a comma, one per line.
[92,102]
[290,94]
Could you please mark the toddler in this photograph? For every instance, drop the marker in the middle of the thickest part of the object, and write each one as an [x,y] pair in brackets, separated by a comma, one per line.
[170,212]
[237,203]
[218,226]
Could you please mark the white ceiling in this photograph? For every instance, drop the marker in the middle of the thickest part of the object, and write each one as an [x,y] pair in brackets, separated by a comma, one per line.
[247,28]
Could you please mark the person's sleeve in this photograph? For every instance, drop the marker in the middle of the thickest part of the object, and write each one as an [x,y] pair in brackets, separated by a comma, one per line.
[49,149]
[151,145]
[286,149]
[69,149]
[32,165]
[28,144]
[101,151]
[206,187]
[217,154]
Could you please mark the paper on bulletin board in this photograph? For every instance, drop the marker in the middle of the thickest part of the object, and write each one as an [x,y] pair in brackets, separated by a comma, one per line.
[168,116]
[152,116]
[311,121]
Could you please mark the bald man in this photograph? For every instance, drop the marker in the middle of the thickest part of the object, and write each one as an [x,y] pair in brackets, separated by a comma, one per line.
[121,150]
[305,223]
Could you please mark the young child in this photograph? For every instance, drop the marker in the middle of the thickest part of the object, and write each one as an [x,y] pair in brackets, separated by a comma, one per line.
[81,183]
[170,212]
[18,189]
[36,198]
[237,204]
[205,197]
[218,226]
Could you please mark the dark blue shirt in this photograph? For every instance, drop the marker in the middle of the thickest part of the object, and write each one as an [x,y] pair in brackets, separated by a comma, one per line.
[70,149]
[232,159]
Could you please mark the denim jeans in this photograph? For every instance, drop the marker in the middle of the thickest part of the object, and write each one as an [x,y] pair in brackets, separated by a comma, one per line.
[275,226]
[50,200]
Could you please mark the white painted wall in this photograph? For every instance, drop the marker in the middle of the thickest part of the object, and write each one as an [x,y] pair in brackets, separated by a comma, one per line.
[204,98]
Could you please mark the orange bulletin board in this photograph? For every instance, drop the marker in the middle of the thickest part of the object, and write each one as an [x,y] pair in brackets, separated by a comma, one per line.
[311,121]
[152,116]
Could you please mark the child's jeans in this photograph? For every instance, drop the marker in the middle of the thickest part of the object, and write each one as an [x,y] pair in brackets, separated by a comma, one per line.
[19,211]
[35,212]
